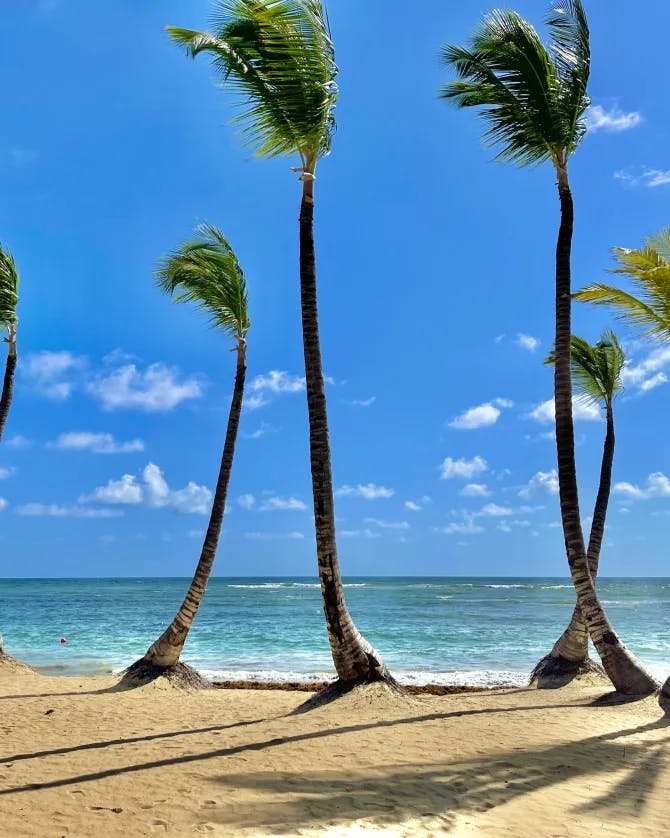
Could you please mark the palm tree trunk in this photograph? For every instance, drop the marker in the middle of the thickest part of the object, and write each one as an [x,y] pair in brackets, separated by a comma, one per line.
[627,674]
[354,658]
[8,383]
[573,645]
[165,652]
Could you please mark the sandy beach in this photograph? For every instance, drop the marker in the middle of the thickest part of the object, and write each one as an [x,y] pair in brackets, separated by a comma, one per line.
[80,759]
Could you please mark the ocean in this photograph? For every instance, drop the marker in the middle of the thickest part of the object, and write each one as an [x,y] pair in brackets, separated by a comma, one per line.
[476,631]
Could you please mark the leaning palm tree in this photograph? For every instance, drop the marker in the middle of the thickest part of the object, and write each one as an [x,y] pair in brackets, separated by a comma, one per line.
[9,298]
[278,57]
[204,271]
[533,99]
[648,268]
[596,373]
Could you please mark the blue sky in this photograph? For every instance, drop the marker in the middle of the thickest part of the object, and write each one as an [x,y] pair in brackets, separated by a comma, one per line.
[435,270]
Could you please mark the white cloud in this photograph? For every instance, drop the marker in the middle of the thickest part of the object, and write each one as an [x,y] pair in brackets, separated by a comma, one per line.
[53,375]
[493,510]
[646,177]
[658,485]
[387,525]
[367,533]
[277,381]
[475,490]
[543,482]
[6,471]
[466,469]
[254,402]
[412,506]
[648,373]
[468,527]
[613,120]
[481,416]
[53,510]
[581,410]
[367,491]
[153,491]
[274,536]
[274,503]
[156,390]
[3,504]
[247,501]
[508,526]
[97,443]
[527,342]
[363,402]
[263,429]
[19,442]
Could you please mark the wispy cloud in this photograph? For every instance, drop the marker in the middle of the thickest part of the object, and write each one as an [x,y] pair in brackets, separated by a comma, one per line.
[53,375]
[362,402]
[367,491]
[19,442]
[467,527]
[158,389]
[152,491]
[527,342]
[294,535]
[366,533]
[475,490]
[417,505]
[53,510]
[645,177]
[275,503]
[481,416]
[247,501]
[96,443]
[6,471]
[466,469]
[658,485]
[542,482]
[613,121]
[387,525]
[647,374]
[273,383]
[262,430]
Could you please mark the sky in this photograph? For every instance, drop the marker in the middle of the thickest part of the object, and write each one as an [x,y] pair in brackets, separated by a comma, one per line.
[436,301]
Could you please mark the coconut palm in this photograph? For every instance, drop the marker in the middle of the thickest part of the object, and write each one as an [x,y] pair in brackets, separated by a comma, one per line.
[533,99]
[277,56]
[648,268]
[596,374]
[204,271]
[9,298]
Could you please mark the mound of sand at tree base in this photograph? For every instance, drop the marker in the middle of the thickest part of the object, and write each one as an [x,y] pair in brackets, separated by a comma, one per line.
[12,666]
[80,760]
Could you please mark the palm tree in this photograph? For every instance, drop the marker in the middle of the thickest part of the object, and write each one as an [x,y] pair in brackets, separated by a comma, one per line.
[9,298]
[649,270]
[204,271]
[596,373]
[533,99]
[279,58]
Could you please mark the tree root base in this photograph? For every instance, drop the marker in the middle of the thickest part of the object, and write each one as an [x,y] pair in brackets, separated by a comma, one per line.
[340,688]
[552,673]
[180,675]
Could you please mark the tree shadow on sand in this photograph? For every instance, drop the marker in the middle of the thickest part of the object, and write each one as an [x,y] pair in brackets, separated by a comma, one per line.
[440,791]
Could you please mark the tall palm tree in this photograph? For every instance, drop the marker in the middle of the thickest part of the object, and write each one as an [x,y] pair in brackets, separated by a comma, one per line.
[648,268]
[279,58]
[9,298]
[533,99]
[596,373]
[204,271]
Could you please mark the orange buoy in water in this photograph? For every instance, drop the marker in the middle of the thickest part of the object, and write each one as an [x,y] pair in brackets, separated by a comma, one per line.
[63,640]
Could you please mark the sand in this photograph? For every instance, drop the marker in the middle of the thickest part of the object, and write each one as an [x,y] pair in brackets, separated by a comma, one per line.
[78,759]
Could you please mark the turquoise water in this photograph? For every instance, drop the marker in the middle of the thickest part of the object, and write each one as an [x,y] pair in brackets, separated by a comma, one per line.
[439,630]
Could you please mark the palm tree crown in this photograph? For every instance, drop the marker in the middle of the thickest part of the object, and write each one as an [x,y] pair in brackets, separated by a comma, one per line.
[9,290]
[649,270]
[533,96]
[597,368]
[206,271]
[278,56]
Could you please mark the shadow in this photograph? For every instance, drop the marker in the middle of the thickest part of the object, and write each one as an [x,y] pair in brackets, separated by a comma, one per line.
[90,746]
[439,791]
[300,737]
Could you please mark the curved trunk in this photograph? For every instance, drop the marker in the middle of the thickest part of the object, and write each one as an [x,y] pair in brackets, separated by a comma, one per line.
[573,645]
[8,383]
[167,649]
[627,674]
[354,658]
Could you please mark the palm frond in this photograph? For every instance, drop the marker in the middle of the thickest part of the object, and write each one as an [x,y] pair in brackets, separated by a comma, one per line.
[596,369]
[205,271]
[278,57]
[9,290]
[648,306]
[532,97]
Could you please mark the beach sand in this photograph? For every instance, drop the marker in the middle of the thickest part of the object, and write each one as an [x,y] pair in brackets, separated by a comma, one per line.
[80,760]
